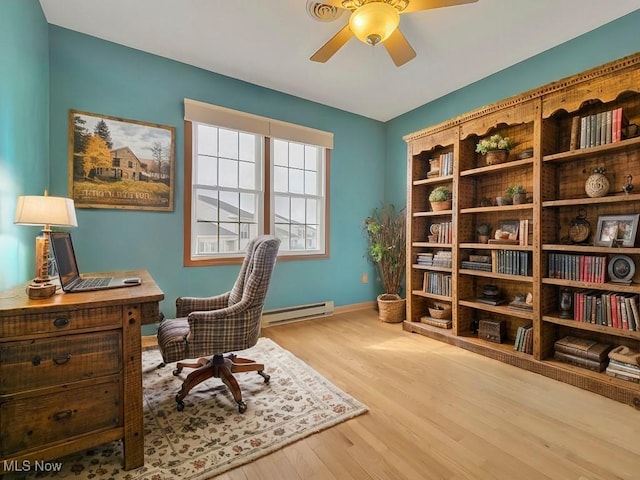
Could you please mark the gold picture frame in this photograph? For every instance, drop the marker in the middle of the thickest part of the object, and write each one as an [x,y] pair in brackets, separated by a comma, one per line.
[120,163]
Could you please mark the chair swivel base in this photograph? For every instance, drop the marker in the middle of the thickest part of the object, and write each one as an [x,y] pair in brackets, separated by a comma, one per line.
[218,367]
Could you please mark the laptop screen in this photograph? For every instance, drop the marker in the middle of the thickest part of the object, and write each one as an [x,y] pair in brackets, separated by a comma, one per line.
[65,257]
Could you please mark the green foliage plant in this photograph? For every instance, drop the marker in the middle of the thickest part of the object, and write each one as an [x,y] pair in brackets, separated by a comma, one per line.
[440,194]
[515,189]
[386,237]
[484,229]
[494,142]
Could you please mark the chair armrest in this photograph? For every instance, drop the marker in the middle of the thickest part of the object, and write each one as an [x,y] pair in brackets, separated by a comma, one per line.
[186,305]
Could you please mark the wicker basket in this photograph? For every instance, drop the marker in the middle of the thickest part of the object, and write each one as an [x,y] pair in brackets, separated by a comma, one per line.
[391,308]
[441,313]
[494,157]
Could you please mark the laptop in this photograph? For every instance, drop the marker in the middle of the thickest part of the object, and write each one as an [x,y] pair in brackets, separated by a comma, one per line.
[70,278]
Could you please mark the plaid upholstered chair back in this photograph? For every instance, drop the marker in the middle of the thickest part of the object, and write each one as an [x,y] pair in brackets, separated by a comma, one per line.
[255,274]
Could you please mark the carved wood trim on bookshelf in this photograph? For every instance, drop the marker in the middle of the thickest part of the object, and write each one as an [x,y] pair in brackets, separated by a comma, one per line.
[631,61]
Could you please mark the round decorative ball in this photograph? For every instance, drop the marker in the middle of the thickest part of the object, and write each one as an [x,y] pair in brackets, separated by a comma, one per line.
[597,185]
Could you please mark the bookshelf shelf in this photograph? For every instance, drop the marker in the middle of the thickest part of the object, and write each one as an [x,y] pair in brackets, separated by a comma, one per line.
[505,208]
[433,296]
[504,276]
[618,332]
[432,268]
[547,124]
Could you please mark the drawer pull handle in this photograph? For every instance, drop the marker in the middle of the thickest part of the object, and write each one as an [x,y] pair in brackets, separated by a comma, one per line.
[35,361]
[62,415]
[62,360]
[61,322]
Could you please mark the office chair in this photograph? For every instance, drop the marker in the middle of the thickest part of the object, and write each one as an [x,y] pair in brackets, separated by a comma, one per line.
[221,324]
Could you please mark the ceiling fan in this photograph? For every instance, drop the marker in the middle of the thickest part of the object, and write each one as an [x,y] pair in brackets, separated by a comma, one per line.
[376,21]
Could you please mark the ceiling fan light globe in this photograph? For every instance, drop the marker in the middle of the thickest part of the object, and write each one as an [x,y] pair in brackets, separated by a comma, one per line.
[374,22]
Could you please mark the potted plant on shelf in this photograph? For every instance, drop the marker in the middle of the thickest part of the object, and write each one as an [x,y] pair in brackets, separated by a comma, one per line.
[517,193]
[495,148]
[386,249]
[440,198]
[484,230]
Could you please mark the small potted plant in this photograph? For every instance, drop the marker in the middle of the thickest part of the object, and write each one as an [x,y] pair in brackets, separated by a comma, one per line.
[484,230]
[440,198]
[517,193]
[495,148]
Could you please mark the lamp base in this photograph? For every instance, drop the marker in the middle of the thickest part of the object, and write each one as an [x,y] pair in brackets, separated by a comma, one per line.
[40,290]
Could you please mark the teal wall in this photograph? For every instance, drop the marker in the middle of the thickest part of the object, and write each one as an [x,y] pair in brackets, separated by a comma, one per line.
[84,73]
[24,130]
[609,42]
[100,77]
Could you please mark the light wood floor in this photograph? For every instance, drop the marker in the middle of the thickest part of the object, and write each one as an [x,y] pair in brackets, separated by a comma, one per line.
[439,412]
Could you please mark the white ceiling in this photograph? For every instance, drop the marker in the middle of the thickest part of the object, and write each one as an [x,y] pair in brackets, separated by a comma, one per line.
[269,42]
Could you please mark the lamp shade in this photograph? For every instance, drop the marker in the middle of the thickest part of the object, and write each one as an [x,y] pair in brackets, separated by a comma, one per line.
[373,22]
[45,210]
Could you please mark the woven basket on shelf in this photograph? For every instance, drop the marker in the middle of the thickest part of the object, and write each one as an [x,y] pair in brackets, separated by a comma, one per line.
[391,308]
[441,313]
[494,157]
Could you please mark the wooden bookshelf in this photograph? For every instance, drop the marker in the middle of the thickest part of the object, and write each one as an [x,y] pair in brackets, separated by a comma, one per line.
[554,177]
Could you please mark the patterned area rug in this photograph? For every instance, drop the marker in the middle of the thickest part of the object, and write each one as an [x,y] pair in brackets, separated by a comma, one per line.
[210,437]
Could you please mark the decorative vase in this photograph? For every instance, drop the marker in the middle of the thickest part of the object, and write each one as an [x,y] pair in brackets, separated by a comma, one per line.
[597,185]
[494,157]
[391,308]
[519,198]
[566,303]
[439,206]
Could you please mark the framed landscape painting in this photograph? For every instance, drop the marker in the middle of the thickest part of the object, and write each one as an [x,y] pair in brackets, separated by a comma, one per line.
[120,163]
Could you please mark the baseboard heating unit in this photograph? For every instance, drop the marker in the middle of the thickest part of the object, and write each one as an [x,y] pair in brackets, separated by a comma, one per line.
[297,313]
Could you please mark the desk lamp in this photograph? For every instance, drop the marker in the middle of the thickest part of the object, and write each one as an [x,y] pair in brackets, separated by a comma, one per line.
[45,211]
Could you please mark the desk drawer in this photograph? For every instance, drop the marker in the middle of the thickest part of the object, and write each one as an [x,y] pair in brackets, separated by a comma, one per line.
[26,365]
[52,322]
[33,422]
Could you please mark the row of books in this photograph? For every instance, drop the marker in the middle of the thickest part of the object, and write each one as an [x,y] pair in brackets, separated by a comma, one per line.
[525,234]
[624,363]
[445,232]
[582,352]
[425,258]
[480,266]
[511,262]
[524,339]
[441,166]
[617,310]
[583,268]
[598,129]
[437,283]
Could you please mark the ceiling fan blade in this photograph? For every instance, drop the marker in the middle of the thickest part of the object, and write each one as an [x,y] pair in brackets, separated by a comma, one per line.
[333,45]
[418,5]
[399,49]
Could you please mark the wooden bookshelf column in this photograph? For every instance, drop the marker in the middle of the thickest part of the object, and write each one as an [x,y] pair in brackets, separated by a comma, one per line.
[563,132]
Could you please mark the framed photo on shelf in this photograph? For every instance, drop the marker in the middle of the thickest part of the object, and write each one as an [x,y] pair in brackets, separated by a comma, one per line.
[619,230]
[508,229]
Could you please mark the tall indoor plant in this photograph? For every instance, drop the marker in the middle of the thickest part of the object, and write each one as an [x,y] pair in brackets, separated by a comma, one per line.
[386,235]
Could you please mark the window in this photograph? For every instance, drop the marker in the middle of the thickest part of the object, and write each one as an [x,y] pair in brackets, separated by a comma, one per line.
[241,182]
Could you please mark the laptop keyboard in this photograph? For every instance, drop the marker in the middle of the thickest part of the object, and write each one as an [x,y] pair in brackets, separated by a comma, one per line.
[95,282]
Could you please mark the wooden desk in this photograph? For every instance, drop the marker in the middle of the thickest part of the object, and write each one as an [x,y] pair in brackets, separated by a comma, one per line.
[71,372]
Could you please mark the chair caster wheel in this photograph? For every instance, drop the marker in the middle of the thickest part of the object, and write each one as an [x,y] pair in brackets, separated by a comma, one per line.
[265,376]
[242,407]
[176,372]
[180,404]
